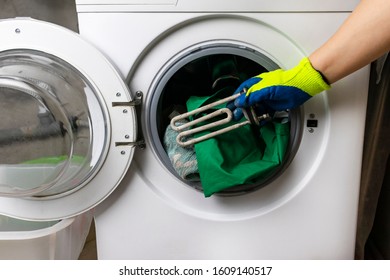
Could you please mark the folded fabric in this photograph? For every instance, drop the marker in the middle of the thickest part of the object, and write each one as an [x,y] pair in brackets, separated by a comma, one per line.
[241,156]
[183,159]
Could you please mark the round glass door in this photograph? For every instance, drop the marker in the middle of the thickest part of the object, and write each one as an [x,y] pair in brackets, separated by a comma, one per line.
[53,126]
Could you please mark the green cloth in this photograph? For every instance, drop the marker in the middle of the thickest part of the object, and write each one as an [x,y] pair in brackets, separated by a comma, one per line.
[239,156]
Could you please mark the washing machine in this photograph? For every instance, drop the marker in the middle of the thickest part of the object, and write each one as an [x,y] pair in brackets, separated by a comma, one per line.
[86,116]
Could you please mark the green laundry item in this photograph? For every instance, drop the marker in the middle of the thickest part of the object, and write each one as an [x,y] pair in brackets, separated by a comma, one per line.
[239,156]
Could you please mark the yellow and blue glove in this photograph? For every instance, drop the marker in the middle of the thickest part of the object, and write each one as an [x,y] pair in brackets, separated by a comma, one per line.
[279,90]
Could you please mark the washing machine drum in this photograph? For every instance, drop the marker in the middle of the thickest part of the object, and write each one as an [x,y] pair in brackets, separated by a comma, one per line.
[244,159]
[67,122]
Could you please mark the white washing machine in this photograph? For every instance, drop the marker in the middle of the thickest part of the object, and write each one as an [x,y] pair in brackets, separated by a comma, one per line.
[98,141]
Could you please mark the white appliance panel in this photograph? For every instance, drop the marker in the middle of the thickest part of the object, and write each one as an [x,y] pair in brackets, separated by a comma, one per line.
[309,212]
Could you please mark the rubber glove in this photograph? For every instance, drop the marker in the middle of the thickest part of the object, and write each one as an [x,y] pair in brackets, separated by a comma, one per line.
[279,90]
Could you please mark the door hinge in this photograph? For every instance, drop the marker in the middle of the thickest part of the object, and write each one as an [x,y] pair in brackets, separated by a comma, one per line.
[139,144]
[137,102]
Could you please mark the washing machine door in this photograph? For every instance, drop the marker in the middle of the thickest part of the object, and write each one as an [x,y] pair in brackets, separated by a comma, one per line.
[67,122]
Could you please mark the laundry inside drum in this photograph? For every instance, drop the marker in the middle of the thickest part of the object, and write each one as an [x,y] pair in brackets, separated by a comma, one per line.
[239,161]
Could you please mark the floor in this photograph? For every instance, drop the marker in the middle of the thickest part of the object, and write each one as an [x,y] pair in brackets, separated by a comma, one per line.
[89,251]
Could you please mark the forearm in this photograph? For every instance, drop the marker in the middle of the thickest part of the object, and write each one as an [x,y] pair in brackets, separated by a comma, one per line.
[362,38]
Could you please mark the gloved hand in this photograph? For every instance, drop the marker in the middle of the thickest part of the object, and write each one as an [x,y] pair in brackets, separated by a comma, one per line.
[279,90]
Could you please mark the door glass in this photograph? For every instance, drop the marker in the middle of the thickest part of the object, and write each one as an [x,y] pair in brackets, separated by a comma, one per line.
[53,126]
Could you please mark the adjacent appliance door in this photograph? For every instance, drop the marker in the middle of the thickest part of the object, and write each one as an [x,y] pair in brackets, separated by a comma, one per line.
[67,122]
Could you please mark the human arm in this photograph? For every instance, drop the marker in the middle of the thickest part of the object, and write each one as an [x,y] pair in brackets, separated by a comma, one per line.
[362,38]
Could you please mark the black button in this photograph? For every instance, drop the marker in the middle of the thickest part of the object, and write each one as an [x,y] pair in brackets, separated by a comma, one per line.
[312,123]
